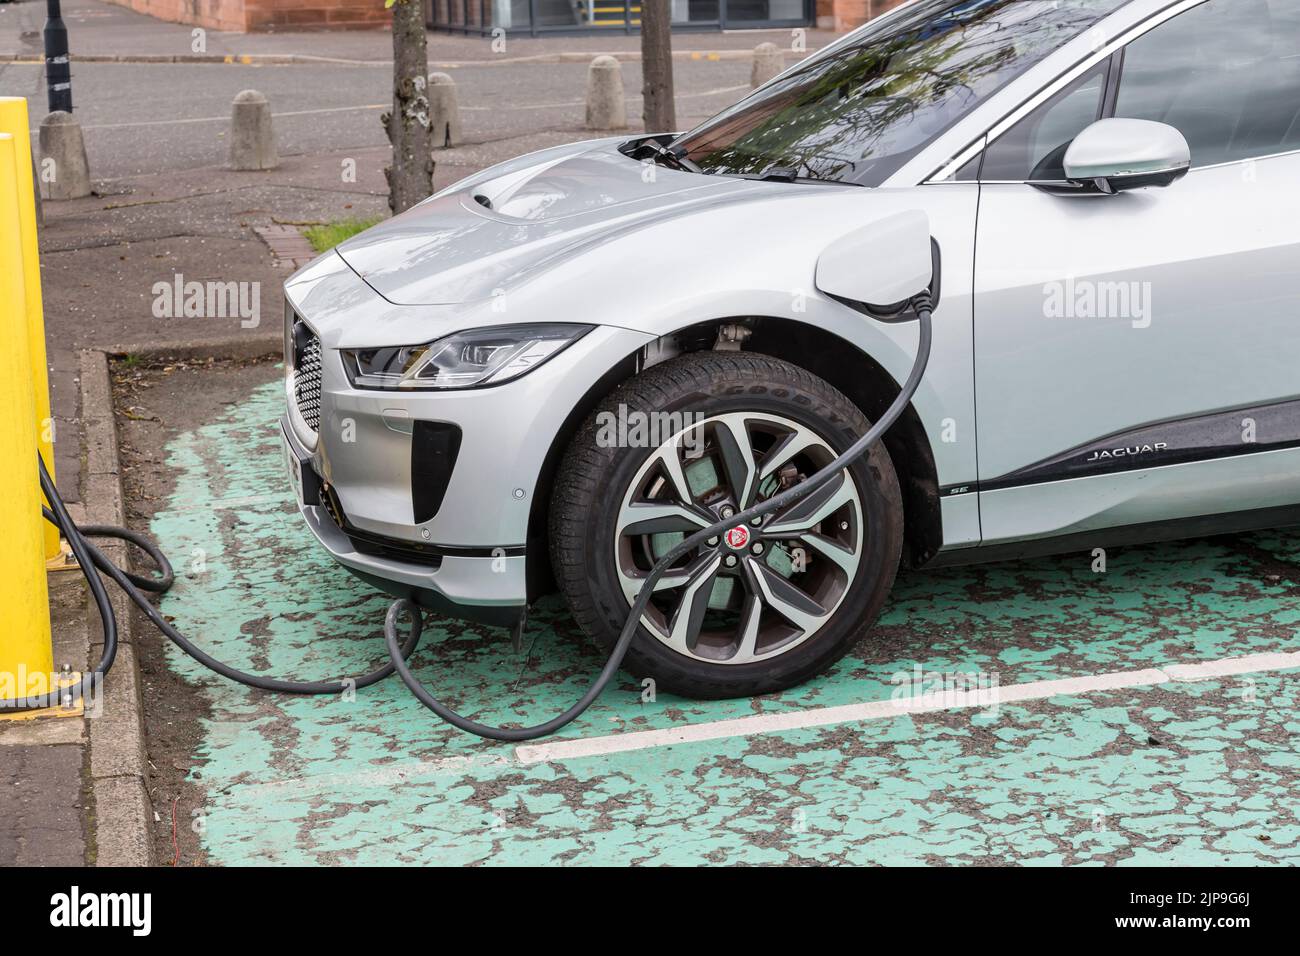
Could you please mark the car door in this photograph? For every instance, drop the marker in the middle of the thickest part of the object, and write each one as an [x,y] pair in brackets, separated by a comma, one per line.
[1137,355]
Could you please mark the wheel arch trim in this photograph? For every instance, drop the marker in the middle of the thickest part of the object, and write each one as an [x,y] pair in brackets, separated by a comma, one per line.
[823,352]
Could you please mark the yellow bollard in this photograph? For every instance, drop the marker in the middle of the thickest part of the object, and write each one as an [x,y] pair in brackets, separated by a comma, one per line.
[26,656]
[13,120]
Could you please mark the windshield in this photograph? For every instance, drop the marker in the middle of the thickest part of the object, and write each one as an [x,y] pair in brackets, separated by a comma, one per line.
[857,111]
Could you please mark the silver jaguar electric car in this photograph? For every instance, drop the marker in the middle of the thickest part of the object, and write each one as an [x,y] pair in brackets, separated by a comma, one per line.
[551,372]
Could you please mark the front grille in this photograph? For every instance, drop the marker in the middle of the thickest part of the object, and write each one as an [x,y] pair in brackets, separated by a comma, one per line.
[307,374]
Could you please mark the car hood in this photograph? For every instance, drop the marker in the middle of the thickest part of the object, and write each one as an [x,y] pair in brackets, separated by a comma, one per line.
[498,229]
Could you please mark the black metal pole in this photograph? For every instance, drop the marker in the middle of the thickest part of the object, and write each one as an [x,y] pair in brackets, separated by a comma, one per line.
[58,71]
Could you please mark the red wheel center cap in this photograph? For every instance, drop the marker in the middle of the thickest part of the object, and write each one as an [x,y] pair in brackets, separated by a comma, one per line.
[738,538]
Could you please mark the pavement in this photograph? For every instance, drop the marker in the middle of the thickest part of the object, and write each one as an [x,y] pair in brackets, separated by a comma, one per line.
[150,118]
[43,794]
[73,782]
[143,112]
[165,209]
[1141,716]
[1144,716]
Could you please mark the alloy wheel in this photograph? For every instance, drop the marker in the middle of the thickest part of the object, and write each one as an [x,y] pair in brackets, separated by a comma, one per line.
[759,589]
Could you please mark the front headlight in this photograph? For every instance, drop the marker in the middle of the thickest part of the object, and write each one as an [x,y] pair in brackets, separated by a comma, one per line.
[463,360]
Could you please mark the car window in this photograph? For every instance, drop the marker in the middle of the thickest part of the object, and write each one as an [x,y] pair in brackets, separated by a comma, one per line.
[857,111]
[1034,148]
[1226,74]
[970,170]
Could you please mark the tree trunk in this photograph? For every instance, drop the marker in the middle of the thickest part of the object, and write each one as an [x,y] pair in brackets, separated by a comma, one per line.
[410,177]
[657,66]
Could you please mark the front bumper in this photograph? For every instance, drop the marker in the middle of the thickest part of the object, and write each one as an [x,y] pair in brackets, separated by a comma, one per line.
[491,588]
[469,558]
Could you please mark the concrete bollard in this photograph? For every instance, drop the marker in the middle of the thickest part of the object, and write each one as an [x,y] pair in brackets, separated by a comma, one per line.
[68,176]
[444,111]
[252,140]
[606,108]
[769,60]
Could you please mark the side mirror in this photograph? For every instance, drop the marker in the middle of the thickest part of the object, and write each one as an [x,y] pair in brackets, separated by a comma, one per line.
[880,266]
[1117,154]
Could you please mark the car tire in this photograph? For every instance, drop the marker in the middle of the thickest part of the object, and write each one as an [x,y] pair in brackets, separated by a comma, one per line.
[595,490]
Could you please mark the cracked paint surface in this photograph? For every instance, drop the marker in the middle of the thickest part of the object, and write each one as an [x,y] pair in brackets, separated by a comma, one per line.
[1202,773]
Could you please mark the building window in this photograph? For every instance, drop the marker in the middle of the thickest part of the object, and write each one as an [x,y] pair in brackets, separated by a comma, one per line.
[624,16]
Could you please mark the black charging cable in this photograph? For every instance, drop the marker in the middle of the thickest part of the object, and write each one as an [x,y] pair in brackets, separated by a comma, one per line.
[923,307]
[93,561]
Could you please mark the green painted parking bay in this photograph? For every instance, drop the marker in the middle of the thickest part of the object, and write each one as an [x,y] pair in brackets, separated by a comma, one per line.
[1143,737]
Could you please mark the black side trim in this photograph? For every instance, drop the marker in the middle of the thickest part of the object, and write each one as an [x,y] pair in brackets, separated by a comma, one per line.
[434,447]
[1151,532]
[1202,438]
[497,615]
[1114,74]
[398,549]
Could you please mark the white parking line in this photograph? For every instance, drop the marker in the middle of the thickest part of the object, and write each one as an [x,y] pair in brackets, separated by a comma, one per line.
[884,709]
[225,118]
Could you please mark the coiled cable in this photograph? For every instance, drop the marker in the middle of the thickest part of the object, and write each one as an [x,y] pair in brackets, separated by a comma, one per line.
[93,561]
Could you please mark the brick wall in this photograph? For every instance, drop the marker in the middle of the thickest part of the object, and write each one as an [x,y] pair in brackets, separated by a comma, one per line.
[311,14]
[214,14]
[247,15]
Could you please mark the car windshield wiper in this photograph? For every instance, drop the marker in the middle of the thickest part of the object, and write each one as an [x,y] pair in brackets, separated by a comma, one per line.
[665,156]
[784,174]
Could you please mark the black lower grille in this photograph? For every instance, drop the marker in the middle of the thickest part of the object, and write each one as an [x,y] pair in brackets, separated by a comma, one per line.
[377,545]
[307,374]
